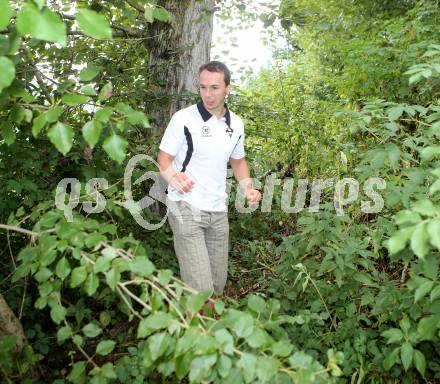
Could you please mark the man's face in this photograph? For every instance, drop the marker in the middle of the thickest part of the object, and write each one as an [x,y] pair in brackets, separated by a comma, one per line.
[213,89]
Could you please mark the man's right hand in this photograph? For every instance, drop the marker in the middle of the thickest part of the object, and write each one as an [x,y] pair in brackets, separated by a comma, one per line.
[181,182]
[178,180]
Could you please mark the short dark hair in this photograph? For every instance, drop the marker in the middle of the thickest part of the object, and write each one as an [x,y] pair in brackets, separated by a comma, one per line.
[217,66]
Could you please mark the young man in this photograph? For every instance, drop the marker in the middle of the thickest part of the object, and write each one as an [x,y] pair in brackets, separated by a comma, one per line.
[194,153]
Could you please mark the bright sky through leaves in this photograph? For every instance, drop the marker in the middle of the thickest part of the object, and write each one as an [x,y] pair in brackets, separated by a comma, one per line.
[242,50]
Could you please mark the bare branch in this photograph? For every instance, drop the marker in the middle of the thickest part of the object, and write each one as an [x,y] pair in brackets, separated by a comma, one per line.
[135,5]
[18,229]
[129,31]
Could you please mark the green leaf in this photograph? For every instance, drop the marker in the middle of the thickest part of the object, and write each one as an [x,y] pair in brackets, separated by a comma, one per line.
[407,217]
[427,327]
[91,330]
[108,371]
[188,340]
[8,132]
[364,278]
[93,24]
[282,348]
[45,25]
[395,112]
[105,318]
[41,303]
[88,90]
[394,154]
[78,340]
[89,73]
[17,114]
[434,232]
[224,366]
[195,301]
[102,264]
[91,132]
[429,153]
[419,240]
[64,333]
[77,372]
[300,360]
[133,116]
[424,207]
[393,335]
[62,269]
[244,325]
[267,368]
[435,187]
[113,277]
[116,147]
[183,365]
[142,266]
[148,12]
[52,115]
[435,294]
[7,72]
[201,368]
[423,290]
[73,99]
[430,267]
[61,136]
[103,114]
[158,344]
[391,359]
[247,364]
[219,306]
[5,14]
[58,313]
[225,341]
[91,284]
[158,320]
[405,324]
[398,241]
[105,347]
[406,355]
[79,274]
[38,124]
[45,289]
[257,338]
[161,14]
[419,362]
[43,274]
[256,303]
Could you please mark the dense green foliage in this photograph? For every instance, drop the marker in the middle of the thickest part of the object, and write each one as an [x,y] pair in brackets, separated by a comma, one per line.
[336,298]
[357,96]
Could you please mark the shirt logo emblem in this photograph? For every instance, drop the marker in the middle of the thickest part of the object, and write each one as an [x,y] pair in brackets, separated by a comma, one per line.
[206,131]
[229,131]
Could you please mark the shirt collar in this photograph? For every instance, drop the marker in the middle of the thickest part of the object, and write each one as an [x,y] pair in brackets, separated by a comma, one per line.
[206,115]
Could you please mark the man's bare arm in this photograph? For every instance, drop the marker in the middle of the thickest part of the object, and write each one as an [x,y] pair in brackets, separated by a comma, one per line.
[177,180]
[242,175]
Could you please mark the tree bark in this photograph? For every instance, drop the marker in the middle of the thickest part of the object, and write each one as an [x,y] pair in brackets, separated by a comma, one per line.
[176,53]
[10,325]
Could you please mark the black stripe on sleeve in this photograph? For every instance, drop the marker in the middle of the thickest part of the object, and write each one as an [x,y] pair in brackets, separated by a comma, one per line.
[189,152]
[235,146]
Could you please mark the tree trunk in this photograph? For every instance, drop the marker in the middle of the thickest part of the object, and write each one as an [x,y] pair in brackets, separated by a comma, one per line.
[10,325]
[176,53]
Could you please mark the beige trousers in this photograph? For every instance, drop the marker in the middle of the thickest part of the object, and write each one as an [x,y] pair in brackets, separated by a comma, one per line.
[201,244]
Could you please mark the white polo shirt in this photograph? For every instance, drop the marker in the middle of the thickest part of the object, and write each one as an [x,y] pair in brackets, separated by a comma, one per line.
[202,145]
